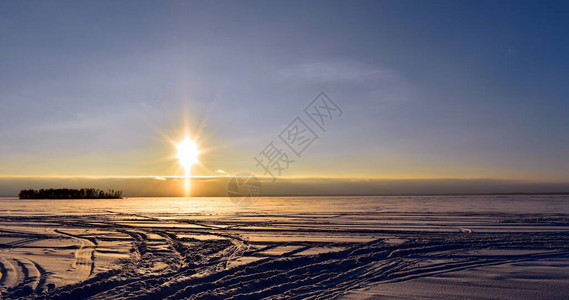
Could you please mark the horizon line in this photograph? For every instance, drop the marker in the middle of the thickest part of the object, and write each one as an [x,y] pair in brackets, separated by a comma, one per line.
[347,195]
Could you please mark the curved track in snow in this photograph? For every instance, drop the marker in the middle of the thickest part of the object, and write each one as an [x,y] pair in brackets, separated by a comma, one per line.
[291,257]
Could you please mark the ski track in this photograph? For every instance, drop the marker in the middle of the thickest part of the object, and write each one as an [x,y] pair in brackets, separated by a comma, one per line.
[164,266]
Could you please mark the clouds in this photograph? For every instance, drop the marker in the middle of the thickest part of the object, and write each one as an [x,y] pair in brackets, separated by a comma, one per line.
[365,86]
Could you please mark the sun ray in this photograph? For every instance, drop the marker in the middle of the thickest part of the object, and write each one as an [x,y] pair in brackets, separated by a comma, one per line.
[187,155]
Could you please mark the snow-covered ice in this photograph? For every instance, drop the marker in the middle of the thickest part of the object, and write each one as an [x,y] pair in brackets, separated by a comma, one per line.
[475,247]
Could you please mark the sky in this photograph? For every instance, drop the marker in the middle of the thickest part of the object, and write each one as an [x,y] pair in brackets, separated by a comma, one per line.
[427,89]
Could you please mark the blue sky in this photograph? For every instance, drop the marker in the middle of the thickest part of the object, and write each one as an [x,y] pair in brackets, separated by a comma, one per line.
[429,89]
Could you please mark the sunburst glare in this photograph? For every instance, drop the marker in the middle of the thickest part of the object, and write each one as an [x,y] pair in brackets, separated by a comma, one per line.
[188,153]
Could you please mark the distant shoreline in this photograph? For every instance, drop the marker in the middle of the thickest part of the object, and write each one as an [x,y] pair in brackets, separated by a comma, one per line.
[71,194]
[320,195]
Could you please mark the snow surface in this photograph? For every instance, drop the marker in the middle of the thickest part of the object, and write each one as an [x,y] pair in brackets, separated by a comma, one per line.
[478,247]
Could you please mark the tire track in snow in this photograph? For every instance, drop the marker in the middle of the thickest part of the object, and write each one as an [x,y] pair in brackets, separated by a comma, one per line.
[199,268]
[32,275]
[83,262]
[21,276]
[323,272]
[9,278]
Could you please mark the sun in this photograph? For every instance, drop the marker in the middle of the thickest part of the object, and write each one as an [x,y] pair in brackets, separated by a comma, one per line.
[188,153]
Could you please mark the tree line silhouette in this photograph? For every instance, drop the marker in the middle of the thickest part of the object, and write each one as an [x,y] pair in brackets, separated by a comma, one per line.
[70,194]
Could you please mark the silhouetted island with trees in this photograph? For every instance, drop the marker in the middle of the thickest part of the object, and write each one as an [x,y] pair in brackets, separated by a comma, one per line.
[70,194]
